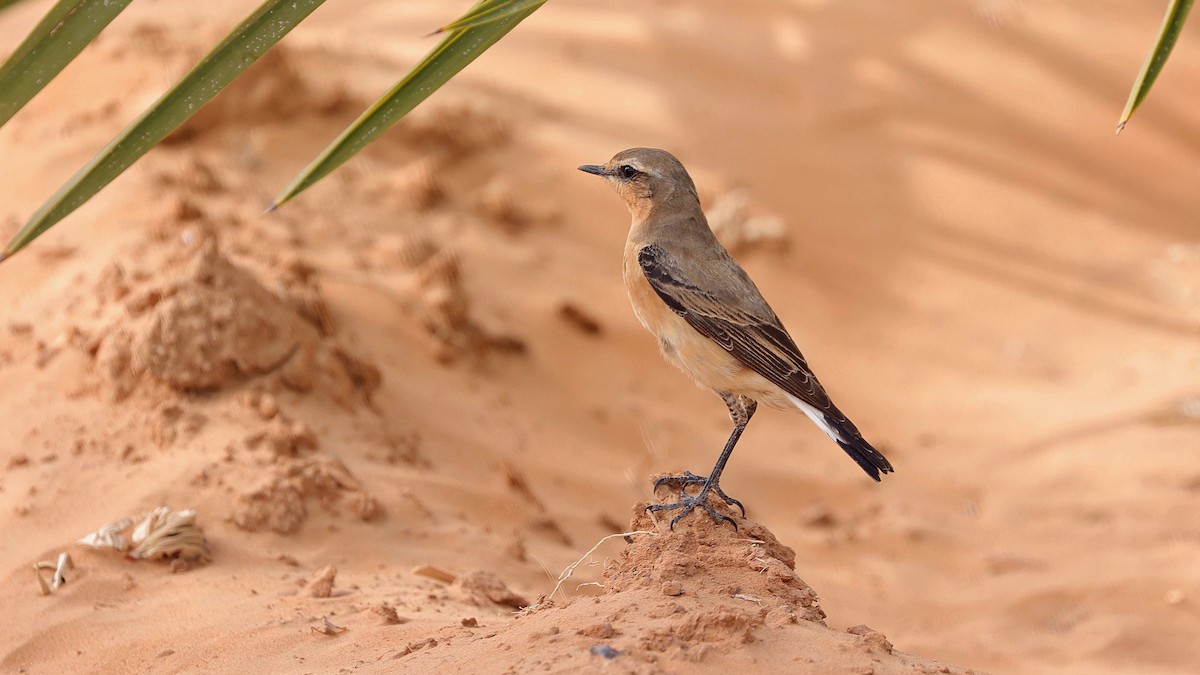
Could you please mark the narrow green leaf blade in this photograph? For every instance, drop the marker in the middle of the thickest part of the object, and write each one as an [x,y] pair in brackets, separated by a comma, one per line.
[55,41]
[1177,11]
[458,49]
[487,12]
[251,39]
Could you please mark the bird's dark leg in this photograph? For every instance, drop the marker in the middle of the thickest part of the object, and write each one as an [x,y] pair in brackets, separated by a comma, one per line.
[741,409]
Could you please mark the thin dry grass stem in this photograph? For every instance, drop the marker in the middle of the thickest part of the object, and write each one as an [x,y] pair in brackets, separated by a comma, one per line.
[570,569]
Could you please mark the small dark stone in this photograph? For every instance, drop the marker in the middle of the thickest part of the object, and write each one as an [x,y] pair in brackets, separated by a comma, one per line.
[605,651]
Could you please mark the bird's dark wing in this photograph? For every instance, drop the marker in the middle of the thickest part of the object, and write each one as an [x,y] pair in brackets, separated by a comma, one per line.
[751,333]
[759,342]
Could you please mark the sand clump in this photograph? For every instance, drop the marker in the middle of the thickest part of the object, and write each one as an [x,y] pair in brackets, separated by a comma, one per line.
[278,502]
[321,584]
[482,585]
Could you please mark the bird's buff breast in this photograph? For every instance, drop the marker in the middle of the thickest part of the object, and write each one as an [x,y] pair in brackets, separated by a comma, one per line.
[706,361]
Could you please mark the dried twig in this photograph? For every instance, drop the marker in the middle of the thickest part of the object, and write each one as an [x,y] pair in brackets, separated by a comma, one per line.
[570,569]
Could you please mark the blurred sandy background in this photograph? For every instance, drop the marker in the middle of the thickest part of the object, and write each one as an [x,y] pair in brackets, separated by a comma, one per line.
[1004,296]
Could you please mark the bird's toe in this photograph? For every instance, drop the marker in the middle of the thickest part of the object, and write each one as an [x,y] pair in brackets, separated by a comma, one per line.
[684,479]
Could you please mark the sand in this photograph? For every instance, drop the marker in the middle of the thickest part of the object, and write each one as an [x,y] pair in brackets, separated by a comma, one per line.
[404,404]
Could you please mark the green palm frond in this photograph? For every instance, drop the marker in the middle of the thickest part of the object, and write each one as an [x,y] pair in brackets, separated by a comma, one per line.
[242,47]
[1177,11]
[467,38]
[488,11]
[483,27]
[67,28]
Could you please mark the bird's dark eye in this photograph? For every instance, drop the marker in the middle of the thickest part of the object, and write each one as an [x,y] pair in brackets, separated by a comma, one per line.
[627,171]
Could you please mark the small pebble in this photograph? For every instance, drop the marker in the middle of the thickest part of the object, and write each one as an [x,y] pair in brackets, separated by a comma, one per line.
[605,651]
[267,407]
[672,588]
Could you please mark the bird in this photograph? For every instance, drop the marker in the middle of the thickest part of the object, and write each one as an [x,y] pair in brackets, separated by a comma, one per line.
[711,320]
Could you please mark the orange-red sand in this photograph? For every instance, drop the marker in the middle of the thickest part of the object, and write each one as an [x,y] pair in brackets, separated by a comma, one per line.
[428,359]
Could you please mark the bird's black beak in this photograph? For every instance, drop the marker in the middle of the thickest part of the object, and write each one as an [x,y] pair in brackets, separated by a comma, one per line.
[594,169]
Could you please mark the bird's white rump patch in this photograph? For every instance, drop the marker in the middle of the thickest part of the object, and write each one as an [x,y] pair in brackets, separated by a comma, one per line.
[816,416]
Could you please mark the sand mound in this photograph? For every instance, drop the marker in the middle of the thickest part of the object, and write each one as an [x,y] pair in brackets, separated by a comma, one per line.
[195,321]
[751,564]
[219,324]
[703,596]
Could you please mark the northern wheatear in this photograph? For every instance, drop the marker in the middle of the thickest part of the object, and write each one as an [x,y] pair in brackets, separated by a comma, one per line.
[710,318]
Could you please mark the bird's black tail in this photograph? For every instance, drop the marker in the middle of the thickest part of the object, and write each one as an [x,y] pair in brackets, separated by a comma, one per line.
[863,453]
[842,430]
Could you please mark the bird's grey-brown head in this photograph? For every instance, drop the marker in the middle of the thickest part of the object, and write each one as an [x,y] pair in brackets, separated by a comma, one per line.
[646,177]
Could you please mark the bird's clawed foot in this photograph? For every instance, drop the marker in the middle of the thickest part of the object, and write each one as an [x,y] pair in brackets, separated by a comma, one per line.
[689,478]
[688,502]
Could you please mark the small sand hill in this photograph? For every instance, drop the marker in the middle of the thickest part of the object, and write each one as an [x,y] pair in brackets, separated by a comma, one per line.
[187,317]
[703,598]
[215,323]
